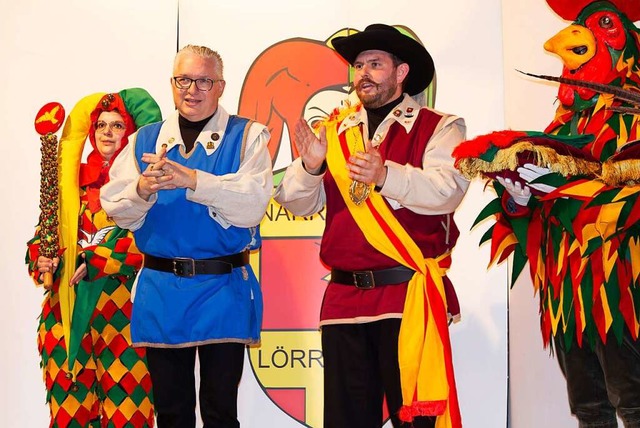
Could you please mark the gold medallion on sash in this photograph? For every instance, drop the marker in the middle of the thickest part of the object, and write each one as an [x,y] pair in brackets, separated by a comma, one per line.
[359,191]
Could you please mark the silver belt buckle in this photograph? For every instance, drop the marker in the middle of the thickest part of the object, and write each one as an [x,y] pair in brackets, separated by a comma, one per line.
[188,266]
[364,280]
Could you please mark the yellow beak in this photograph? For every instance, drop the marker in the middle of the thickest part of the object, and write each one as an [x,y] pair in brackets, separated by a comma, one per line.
[575,45]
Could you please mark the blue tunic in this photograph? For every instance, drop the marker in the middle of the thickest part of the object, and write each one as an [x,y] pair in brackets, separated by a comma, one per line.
[173,311]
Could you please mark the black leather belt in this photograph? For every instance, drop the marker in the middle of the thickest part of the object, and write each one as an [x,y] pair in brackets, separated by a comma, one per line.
[185,266]
[367,279]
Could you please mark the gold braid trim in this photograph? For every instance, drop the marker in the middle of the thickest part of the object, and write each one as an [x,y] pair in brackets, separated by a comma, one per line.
[507,159]
[621,173]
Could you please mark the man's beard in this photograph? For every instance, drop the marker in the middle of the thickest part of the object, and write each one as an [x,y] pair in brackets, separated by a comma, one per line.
[381,96]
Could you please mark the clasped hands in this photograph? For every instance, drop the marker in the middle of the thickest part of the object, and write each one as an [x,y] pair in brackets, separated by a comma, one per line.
[162,173]
[521,191]
[366,167]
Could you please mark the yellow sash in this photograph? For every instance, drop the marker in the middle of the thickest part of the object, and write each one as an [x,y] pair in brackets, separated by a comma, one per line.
[424,350]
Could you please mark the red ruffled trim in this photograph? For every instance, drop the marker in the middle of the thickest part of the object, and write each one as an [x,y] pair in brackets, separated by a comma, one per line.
[422,408]
[476,147]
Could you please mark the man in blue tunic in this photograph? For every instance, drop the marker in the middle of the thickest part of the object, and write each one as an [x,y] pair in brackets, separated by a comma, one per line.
[194,189]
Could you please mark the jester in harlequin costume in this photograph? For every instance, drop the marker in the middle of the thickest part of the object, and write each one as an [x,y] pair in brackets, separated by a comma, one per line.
[93,377]
[568,203]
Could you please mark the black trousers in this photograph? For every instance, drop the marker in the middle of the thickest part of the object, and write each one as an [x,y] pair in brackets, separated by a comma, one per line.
[360,369]
[174,389]
[602,381]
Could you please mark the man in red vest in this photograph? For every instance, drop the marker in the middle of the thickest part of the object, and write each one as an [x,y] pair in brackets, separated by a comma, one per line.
[384,170]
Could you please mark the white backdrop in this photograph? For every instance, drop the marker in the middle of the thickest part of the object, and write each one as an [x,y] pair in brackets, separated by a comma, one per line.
[62,51]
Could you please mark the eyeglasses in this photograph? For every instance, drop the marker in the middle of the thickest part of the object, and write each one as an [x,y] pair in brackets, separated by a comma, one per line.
[115,126]
[203,84]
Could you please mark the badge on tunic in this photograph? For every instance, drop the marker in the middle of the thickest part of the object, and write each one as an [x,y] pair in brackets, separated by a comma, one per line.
[215,136]
[397,113]
[210,145]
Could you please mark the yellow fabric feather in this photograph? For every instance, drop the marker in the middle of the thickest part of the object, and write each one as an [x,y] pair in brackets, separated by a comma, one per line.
[583,317]
[607,219]
[634,253]
[562,257]
[503,245]
[74,135]
[608,319]
[610,257]
[625,192]
[581,190]
[555,317]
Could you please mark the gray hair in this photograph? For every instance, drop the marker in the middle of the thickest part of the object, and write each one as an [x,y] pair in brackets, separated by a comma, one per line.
[204,52]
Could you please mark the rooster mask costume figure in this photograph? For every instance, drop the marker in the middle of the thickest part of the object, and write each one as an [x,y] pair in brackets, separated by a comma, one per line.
[569,205]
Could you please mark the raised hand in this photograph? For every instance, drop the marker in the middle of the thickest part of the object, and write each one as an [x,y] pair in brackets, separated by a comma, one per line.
[312,149]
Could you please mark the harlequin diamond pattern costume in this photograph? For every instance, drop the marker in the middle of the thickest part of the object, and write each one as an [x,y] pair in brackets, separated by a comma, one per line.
[93,376]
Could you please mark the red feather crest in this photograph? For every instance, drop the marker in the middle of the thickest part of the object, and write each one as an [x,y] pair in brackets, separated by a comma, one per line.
[570,9]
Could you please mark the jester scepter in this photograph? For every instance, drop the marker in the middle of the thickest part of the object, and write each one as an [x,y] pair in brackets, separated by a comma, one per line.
[48,120]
